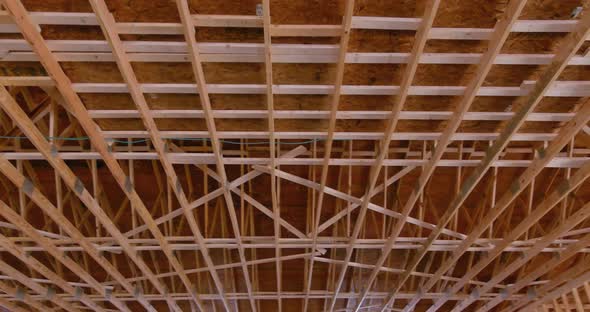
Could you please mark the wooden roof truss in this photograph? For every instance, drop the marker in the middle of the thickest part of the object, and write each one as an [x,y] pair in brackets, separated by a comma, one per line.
[200,251]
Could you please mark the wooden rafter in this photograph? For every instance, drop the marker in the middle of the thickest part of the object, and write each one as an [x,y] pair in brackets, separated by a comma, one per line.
[560,257]
[334,104]
[400,99]
[34,286]
[106,21]
[15,293]
[47,245]
[571,46]
[267,28]
[575,277]
[71,98]
[190,37]
[501,32]
[57,216]
[69,178]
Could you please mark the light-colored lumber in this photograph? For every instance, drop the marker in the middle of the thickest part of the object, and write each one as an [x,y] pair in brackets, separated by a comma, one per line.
[107,21]
[421,37]
[190,37]
[74,103]
[569,48]
[345,30]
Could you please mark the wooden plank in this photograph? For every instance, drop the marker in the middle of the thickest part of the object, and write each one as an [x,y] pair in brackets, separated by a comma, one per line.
[317,135]
[289,53]
[34,286]
[50,248]
[345,30]
[501,32]
[317,114]
[335,242]
[572,278]
[558,89]
[57,216]
[26,298]
[320,294]
[305,30]
[107,25]
[251,21]
[269,31]
[431,8]
[74,103]
[190,38]
[569,48]
[206,159]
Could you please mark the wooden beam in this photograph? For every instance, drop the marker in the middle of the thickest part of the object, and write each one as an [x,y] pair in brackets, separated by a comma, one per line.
[322,115]
[28,29]
[303,30]
[534,216]
[34,286]
[573,278]
[57,216]
[530,102]
[251,21]
[50,248]
[333,242]
[431,9]
[190,38]
[567,253]
[15,293]
[320,135]
[563,88]
[569,48]
[345,30]
[501,32]
[270,31]
[251,53]
[319,294]
[106,21]
[206,159]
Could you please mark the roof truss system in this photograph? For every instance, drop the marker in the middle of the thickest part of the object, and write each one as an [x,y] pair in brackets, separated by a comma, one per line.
[340,155]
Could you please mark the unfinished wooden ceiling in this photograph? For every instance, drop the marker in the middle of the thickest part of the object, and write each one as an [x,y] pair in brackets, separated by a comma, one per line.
[295,155]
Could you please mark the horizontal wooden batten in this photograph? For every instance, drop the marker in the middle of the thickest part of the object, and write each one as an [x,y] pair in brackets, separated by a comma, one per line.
[306,30]
[208,158]
[273,296]
[324,243]
[310,114]
[559,89]
[252,21]
[176,51]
